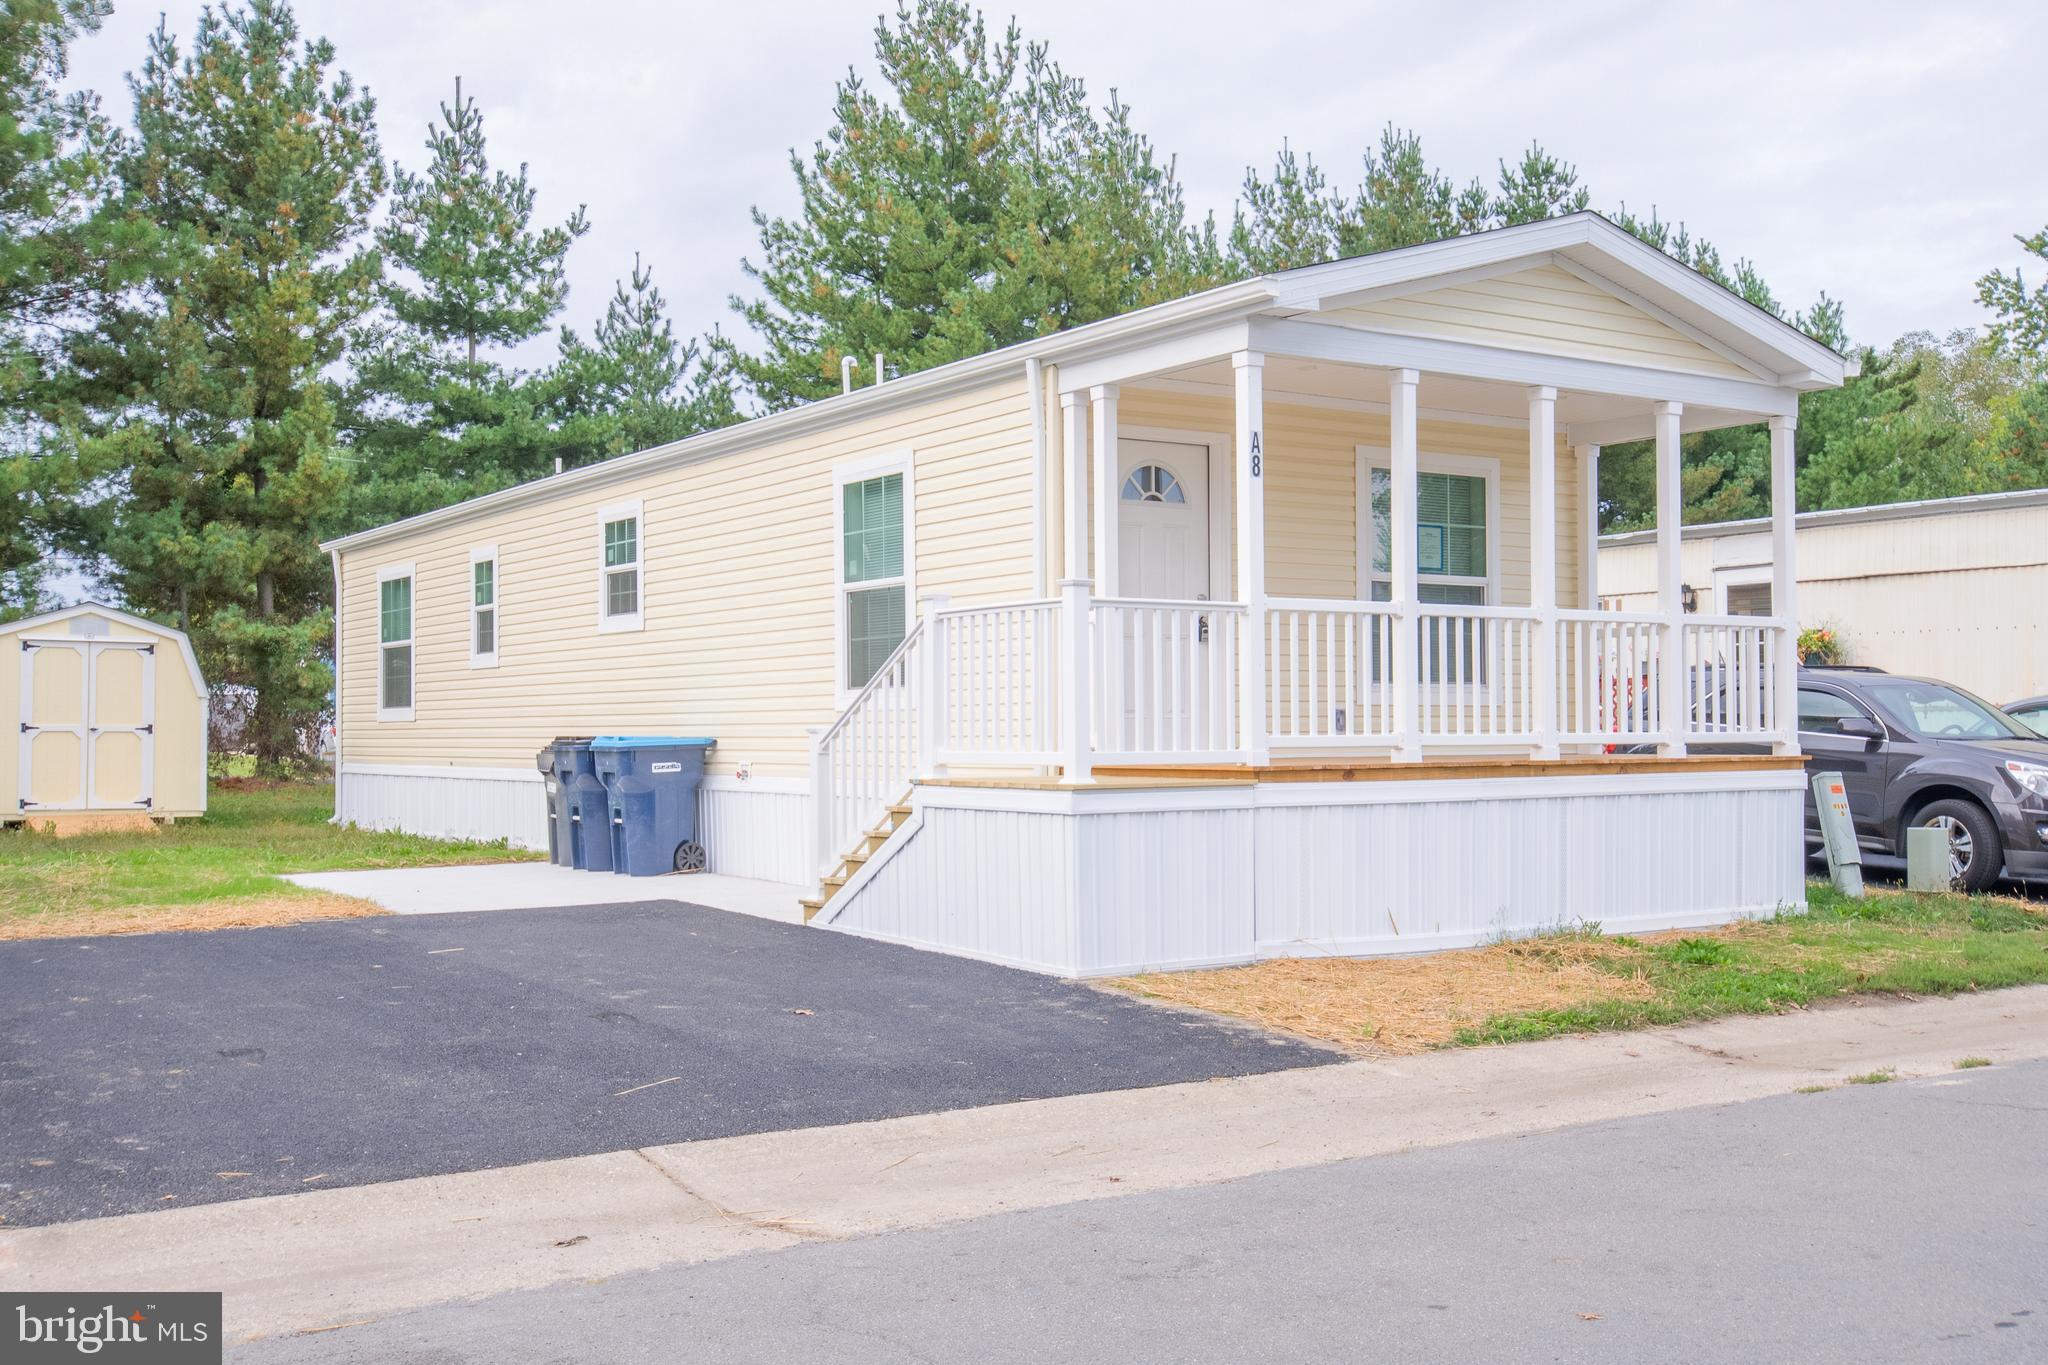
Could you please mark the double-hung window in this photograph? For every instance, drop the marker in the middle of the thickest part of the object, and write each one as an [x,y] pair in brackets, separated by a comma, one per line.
[483,607]
[621,586]
[394,642]
[1456,546]
[874,569]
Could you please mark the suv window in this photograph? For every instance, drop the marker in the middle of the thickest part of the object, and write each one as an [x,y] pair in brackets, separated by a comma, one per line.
[1935,710]
[1822,713]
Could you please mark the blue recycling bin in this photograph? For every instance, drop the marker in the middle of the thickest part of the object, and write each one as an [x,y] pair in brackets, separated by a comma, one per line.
[651,784]
[559,762]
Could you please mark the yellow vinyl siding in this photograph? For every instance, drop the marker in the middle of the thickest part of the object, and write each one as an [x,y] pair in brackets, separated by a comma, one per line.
[1312,497]
[1545,311]
[738,591]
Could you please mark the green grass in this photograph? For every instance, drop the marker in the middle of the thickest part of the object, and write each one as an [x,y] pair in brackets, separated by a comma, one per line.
[251,832]
[1894,943]
[1971,1063]
[1884,1077]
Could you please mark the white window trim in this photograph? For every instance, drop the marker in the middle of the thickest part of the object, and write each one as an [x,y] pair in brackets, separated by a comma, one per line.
[1748,577]
[637,620]
[857,471]
[483,554]
[385,574]
[1428,462]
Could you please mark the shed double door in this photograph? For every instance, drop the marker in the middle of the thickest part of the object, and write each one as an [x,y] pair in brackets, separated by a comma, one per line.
[88,734]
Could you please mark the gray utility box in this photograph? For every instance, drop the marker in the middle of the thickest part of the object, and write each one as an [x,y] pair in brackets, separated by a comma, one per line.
[651,784]
[559,763]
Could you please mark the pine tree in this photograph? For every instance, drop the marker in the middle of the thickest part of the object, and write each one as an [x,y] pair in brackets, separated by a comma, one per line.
[1291,220]
[634,386]
[217,449]
[434,419]
[66,245]
[975,201]
[1404,201]
[1539,186]
[2021,320]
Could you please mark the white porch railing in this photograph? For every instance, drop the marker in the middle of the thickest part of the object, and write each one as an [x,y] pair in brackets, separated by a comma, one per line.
[1326,666]
[980,686]
[1731,669]
[1607,668]
[994,684]
[1478,674]
[1164,680]
[867,757]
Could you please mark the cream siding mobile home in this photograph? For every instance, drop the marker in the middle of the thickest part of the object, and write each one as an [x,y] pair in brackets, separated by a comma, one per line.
[1952,588]
[1262,621]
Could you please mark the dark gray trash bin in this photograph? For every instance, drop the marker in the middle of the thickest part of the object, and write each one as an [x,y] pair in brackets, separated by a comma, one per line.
[560,761]
[590,832]
[651,782]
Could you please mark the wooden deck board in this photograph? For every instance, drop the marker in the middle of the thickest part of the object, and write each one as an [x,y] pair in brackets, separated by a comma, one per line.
[1160,775]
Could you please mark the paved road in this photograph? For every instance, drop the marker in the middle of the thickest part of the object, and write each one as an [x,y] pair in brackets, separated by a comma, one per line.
[260,1061]
[1902,1222]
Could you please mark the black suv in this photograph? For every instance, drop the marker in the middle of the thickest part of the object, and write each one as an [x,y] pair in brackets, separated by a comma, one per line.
[1914,751]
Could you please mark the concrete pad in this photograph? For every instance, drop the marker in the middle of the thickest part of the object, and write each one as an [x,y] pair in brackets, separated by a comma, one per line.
[301,1262]
[535,886]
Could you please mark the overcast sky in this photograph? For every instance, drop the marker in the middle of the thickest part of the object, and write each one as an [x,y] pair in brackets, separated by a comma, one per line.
[1886,153]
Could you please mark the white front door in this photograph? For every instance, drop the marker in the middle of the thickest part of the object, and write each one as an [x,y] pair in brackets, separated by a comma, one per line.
[1162,516]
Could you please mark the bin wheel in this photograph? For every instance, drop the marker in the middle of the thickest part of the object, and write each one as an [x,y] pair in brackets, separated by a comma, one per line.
[689,857]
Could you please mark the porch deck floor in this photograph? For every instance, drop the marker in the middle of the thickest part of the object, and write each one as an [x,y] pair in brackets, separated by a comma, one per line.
[1433,767]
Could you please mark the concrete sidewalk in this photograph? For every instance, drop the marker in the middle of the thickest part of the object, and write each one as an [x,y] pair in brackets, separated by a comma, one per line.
[295,1263]
[534,886]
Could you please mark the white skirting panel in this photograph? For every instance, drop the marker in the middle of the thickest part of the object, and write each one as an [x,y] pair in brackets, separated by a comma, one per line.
[1028,889]
[487,804]
[755,830]
[748,830]
[1097,883]
[1405,878]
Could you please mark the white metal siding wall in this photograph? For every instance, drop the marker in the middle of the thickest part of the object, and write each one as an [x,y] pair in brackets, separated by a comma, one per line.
[1409,877]
[486,804]
[1275,871]
[756,833]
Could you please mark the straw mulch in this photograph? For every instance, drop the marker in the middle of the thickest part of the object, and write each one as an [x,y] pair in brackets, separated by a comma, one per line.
[253,913]
[1406,1004]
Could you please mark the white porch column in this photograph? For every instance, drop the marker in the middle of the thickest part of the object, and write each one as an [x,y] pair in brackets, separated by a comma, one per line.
[1249,368]
[1589,527]
[1405,659]
[1076,762]
[1672,703]
[1785,580]
[1102,404]
[1543,563]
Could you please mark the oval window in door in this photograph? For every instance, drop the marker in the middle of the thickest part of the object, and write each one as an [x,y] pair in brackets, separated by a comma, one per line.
[1152,483]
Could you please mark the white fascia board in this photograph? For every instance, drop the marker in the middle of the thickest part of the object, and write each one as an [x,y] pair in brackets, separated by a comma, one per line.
[1189,347]
[1356,346]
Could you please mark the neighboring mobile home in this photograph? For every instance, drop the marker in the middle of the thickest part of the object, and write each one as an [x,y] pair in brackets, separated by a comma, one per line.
[1259,622]
[1952,588]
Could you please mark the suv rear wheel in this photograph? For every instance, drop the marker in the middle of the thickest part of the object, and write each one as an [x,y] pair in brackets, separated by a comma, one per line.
[1974,854]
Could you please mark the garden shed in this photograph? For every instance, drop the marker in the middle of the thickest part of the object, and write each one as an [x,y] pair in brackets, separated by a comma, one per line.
[112,720]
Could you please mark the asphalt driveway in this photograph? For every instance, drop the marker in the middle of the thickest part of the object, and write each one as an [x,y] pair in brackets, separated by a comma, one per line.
[160,1070]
